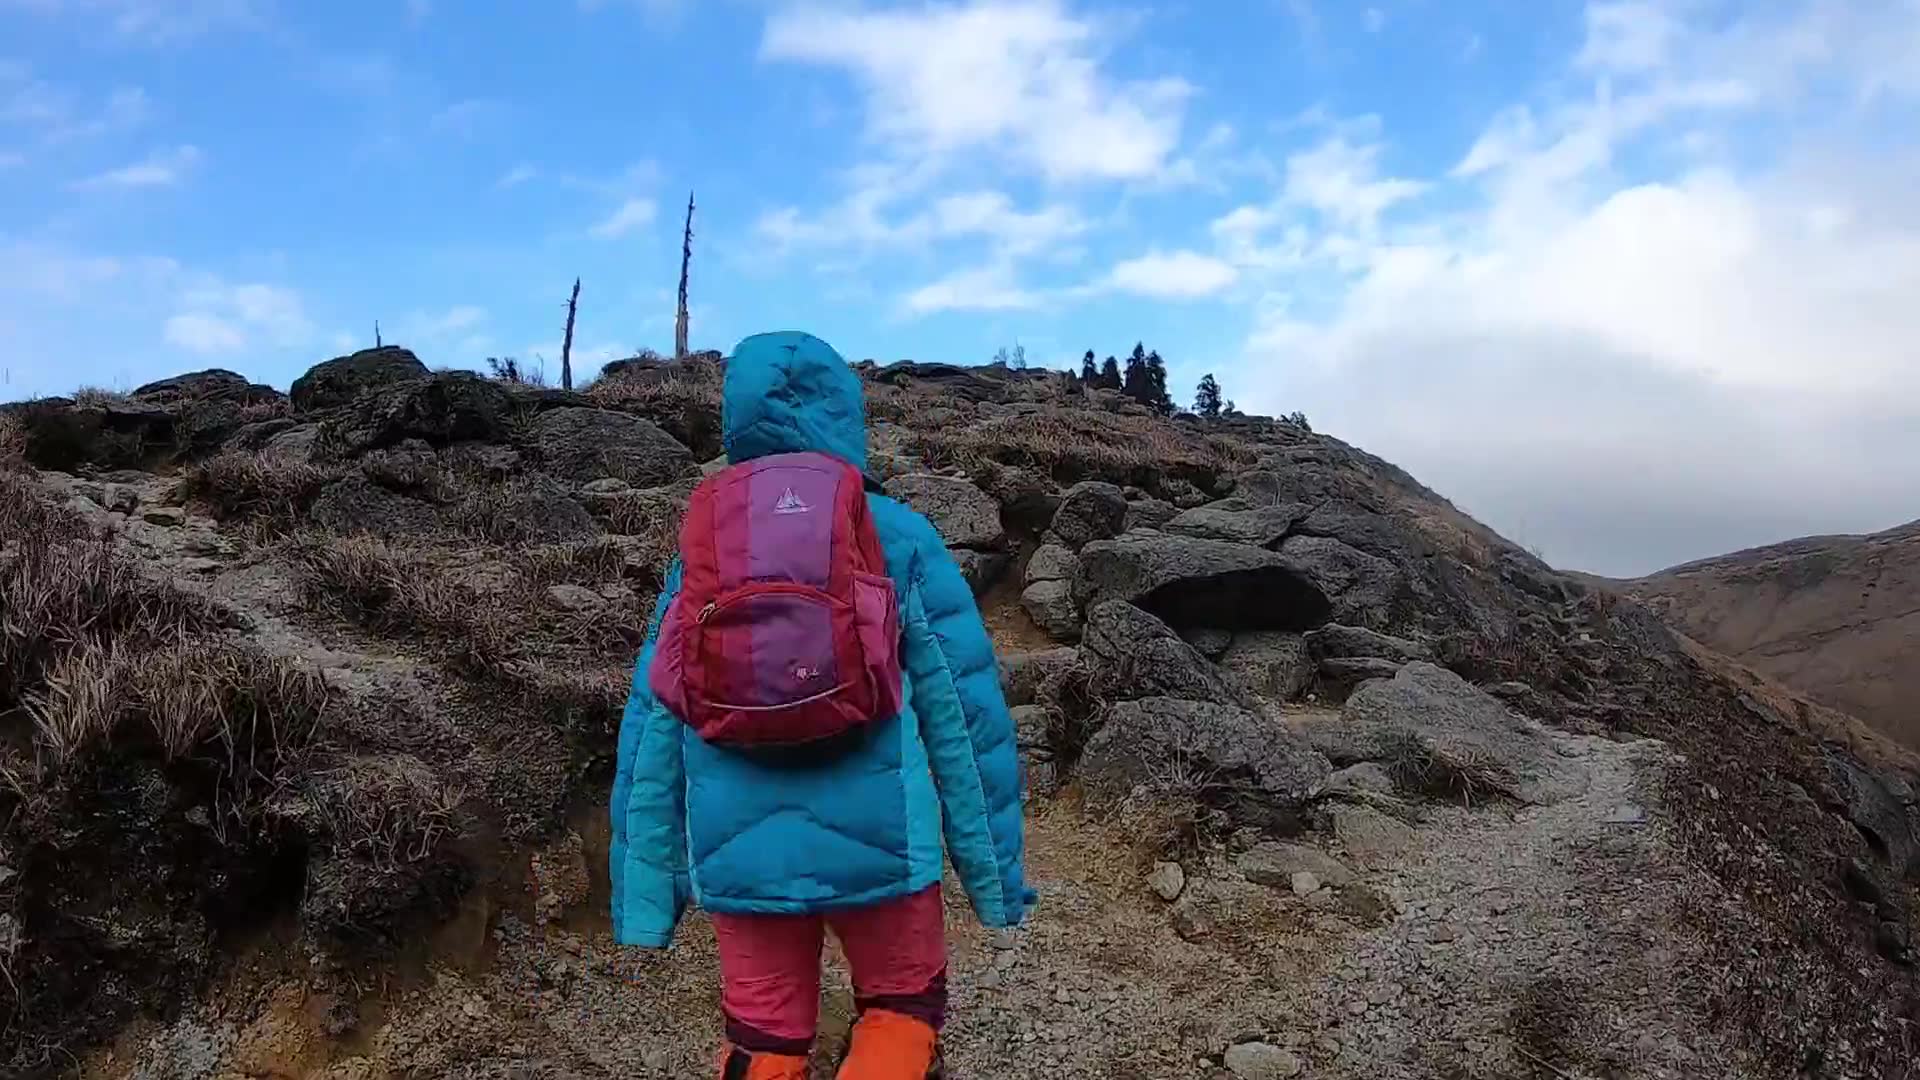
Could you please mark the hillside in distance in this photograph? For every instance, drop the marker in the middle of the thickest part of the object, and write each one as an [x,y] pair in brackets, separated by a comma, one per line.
[1836,618]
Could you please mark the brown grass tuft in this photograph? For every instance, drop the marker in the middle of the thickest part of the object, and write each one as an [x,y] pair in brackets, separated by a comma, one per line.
[1075,444]
[57,598]
[684,399]
[240,711]
[389,809]
[13,443]
[96,397]
[272,490]
[395,590]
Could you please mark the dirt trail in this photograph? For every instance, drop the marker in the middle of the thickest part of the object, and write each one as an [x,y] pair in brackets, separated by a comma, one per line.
[1536,942]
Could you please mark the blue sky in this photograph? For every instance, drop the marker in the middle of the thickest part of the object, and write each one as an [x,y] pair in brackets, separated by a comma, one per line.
[1632,280]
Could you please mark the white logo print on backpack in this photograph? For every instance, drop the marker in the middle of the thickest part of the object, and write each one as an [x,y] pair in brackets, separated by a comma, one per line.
[791,504]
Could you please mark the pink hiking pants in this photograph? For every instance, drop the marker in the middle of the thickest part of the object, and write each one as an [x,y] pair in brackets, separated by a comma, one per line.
[770,968]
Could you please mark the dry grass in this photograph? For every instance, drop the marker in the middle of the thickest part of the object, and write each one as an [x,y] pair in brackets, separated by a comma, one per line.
[1077,444]
[396,590]
[271,490]
[389,810]
[1471,777]
[411,473]
[242,712]
[684,399]
[13,443]
[62,597]
[96,397]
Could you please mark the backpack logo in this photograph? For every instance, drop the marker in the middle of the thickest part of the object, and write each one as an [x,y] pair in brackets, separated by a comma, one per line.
[791,504]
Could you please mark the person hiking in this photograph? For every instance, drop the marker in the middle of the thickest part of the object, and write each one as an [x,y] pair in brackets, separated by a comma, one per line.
[815,717]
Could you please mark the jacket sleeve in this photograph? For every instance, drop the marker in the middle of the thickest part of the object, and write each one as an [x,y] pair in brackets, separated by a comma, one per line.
[969,735]
[648,855]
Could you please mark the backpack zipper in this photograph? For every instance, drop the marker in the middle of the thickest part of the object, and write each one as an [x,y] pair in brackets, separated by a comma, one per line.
[762,588]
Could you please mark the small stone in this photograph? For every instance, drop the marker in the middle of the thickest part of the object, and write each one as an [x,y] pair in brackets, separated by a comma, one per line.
[122,500]
[1357,1007]
[1441,933]
[164,516]
[574,597]
[1626,814]
[1261,1061]
[606,485]
[988,980]
[198,564]
[1305,883]
[1006,961]
[1366,776]
[1382,994]
[1167,881]
[1062,996]
[1004,939]
[1190,922]
[1510,690]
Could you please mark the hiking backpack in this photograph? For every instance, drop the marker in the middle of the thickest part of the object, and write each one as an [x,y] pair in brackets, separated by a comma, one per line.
[786,631]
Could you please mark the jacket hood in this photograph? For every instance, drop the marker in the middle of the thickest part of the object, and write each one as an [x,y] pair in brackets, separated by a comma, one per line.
[788,392]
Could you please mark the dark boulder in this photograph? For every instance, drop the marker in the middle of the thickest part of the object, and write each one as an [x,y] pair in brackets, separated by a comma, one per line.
[1194,582]
[64,435]
[982,569]
[440,409]
[1028,499]
[340,380]
[1362,589]
[533,509]
[1149,514]
[1136,655]
[1090,510]
[1880,808]
[1261,773]
[1050,605]
[1350,670]
[213,384]
[963,515]
[1457,736]
[1022,675]
[1268,664]
[1238,522]
[582,445]
[1335,640]
[355,504]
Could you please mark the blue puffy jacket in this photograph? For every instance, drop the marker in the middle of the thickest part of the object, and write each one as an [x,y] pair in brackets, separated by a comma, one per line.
[692,822]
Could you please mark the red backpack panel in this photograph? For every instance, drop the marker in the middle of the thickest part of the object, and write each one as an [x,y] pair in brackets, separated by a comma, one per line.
[786,630]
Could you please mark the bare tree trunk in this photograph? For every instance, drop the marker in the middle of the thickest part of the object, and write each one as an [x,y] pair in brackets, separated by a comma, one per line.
[686,257]
[376,335]
[566,343]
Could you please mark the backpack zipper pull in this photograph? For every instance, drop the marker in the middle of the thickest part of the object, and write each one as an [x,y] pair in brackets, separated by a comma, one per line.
[704,612]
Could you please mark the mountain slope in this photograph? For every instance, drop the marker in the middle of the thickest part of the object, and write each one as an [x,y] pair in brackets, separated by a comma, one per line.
[1834,617]
[318,692]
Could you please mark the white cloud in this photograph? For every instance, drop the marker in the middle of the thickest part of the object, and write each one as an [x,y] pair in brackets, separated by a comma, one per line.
[155,22]
[162,168]
[419,10]
[1629,35]
[1341,180]
[1020,77]
[517,175]
[259,314]
[1375,20]
[871,218]
[202,333]
[629,216]
[469,118]
[11,159]
[440,326]
[1178,275]
[987,288]
[1626,356]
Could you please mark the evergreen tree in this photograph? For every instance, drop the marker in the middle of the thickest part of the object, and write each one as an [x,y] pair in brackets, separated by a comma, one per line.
[1135,384]
[1206,398]
[1231,409]
[1110,374]
[1157,395]
[1089,369]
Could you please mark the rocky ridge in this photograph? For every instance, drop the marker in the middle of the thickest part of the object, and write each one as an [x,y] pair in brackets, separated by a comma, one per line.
[1327,778]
